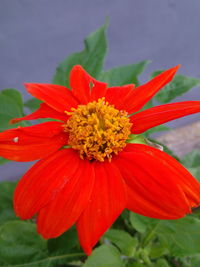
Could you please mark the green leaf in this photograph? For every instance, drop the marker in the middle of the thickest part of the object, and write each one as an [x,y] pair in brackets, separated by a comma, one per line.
[141,223]
[159,128]
[11,106]
[123,240]
[6,194]
[3,161]
[33,104]
[135,264]
[148,105]
[180,85]
[191,162]
[124,75]
[162,263]
[104,256]
[180,236]
[91,58]
[52,261]
[195,172]
[158,249]
[64,243]
[14,98]
[20,243]
[6,201]
[192,159]
[136,139]
[194,261]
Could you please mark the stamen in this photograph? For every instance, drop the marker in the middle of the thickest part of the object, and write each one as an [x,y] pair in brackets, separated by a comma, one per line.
[97,130]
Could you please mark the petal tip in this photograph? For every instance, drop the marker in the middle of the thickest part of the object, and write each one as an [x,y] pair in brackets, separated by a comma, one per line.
[28,86]
[13,121]
[87,250]
[77,67]
[177,67]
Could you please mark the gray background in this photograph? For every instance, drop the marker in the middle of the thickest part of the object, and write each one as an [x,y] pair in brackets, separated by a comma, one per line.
[37,34]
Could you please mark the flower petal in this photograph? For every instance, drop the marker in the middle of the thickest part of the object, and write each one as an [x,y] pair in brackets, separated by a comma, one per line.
[158,186]
[118,96]
[33,142]
[107,201]
[152,117]
[142,94]
[44,181]
[56,96]
[44,111]
[61,213]
[84,87]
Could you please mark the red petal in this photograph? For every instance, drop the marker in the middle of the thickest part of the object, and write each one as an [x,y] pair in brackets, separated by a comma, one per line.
[61,213]
[118,96]
[56,96]
[84,87]
[152,117]
[158,186]
[44,111]
[44,181]
[33,142]
[107,201]
[142,94]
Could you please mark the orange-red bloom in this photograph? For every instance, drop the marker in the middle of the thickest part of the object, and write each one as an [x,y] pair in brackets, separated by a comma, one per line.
[87,174]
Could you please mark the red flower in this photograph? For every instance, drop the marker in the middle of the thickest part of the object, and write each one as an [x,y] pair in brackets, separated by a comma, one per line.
[87,173]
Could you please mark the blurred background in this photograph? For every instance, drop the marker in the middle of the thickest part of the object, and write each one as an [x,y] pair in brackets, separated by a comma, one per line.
[36,35]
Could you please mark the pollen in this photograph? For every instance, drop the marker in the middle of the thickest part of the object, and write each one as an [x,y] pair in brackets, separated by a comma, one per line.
[97,130]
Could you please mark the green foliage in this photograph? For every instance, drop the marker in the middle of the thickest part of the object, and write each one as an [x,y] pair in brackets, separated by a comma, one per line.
[136,139]
[91,58]
[104,256]
[181,236]
[158,249]
[123,240]
[11,106]
[180,85]
[162,263]
[135,264]
[65,243]
[193,261]
[134,240]
[192,159]
[6,201]
[2,161]
[124,75]
[159,128]
[192,162]
[141,223]
[32,104]
[20,243]
[177,238]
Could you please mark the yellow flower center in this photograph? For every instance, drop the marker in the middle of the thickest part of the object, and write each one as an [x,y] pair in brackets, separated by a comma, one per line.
[97,130]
